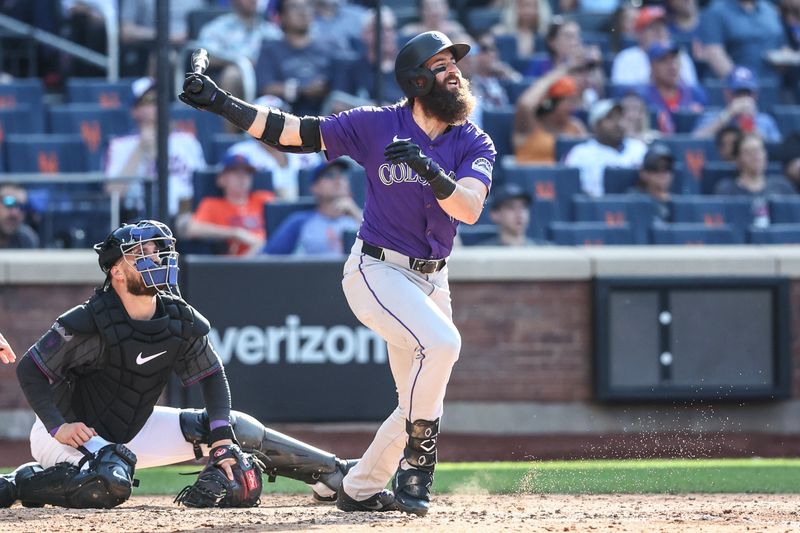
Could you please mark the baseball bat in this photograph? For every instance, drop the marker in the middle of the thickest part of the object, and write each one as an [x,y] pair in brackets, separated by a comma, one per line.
[199,66]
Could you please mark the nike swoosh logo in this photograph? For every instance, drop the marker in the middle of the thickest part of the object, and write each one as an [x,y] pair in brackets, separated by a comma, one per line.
[395,139]
[142,360]
[375,506]
[118,475]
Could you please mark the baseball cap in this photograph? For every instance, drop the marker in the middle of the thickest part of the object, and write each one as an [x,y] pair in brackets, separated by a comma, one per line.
[659,157]
[648,15]
[742,79]
[564,87]
[322,168]
[237,160]
[601,109]
[142,86]
[505,192]
[658,51]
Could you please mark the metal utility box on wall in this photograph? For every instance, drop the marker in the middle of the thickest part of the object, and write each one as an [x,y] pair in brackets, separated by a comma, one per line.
[692,339]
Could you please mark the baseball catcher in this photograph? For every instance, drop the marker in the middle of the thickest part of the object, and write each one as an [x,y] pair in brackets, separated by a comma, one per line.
[93,380]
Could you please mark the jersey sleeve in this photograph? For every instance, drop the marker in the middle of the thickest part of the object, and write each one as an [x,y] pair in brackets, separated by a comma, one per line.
[348,133]
[478,160]
[198,362]
[58,352]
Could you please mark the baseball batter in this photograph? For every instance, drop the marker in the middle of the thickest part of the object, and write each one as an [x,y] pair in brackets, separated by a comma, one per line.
[428,168]
[94,377]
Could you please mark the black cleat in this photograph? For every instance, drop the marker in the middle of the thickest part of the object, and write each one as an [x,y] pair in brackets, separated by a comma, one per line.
[8,491]
[334,480]
[382,501]
[412,490]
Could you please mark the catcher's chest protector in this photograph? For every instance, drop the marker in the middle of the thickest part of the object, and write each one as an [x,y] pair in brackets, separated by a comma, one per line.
[118,399]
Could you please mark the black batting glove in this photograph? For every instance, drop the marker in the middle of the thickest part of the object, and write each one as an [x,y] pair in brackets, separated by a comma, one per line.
[200,92]
[410,154]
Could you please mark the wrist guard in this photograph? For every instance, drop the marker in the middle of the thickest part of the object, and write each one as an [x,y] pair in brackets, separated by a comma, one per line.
[442,185]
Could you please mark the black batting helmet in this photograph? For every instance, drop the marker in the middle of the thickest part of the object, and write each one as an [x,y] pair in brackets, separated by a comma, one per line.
[412,77]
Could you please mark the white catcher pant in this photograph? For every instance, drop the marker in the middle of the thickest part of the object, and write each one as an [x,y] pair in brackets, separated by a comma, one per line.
[411,311]
[160,442]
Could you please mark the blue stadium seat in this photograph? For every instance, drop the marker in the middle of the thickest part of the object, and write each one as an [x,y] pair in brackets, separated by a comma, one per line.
[712,211]
[600,39]
[476,234]
[202,124]
[499,124]
[26,91]
[93,124]
[592,22]
[787,117]
[564,145]
[507,48]
[554,184]
[99,91]
[514,89]
[691,153]
[635,210]
[621,90]
[775,234]
[619,180]
[275,212]
[589,233]
[685,121]
[713,173]
[45,153]
[205,184]
[784,209]
[768,93]
[220,144]
[14,120]
[693,233]
[79,225]
[482,19]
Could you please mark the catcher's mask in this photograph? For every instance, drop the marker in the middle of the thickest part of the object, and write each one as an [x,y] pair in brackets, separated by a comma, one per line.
[158,265]
[412,77]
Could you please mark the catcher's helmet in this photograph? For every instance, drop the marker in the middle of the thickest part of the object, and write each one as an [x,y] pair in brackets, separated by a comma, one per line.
[159,268]
[412,77]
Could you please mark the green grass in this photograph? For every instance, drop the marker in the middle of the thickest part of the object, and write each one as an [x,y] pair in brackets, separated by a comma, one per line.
[564,477]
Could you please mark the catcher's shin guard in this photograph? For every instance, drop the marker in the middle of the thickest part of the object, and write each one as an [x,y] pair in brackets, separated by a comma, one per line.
[412,487]
[105,483]
[282,455]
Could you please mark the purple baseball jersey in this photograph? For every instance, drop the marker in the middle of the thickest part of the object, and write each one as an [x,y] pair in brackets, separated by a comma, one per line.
[400,210]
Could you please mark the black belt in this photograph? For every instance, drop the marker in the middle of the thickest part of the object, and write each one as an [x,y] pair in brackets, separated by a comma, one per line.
[426,266]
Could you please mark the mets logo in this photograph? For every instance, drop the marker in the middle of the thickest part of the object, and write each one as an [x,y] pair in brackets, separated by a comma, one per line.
[484,166]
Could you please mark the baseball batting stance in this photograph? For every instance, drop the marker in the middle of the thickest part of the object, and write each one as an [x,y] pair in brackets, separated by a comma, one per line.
[428,168]
[94,378]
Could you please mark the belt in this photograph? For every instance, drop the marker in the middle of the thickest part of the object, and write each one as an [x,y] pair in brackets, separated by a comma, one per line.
[425,266]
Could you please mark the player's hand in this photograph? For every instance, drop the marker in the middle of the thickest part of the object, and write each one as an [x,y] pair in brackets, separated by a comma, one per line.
[6,353]
[208,96]
[225,464]
[410,154]
[346,206]
[74,434]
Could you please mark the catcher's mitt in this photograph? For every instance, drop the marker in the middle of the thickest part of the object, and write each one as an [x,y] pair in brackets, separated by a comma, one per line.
[214,489]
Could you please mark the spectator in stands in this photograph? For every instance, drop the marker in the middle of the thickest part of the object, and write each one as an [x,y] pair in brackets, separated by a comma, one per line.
[434,15]
[137,32]
[588,6]
[565,46]
[751,179]
[787,59]
[320,231]
[741,32]
[725,139]
[14,233]
[543,113]
[666,93]
[622,33]
[488,73]
[135,155]
[525,20]
[741,110]
[357,84]
[608,148]
[237,217]
[86,25]
[510,212]
[636,118]
[295,68]
[655,179]
[632,65]
[790,158]
[337,25]
[283,166]
[233,35]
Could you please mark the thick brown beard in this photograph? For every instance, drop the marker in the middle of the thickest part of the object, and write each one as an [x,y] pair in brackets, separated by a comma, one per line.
[136,286]
[449,107]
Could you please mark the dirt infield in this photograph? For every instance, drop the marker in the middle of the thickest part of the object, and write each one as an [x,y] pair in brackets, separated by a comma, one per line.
[451,513]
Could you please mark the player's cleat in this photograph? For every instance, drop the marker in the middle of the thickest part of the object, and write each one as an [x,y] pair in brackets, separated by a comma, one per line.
[8,491]
[382,501]
[412,489]
[334,480]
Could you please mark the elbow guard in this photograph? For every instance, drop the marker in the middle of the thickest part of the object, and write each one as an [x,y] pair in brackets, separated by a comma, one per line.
[310,138]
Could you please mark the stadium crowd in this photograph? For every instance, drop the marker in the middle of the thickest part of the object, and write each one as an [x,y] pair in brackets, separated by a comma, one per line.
[615,121]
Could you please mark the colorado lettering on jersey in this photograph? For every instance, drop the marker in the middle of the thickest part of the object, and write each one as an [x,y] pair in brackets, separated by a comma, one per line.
[296,344]
[390,173]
